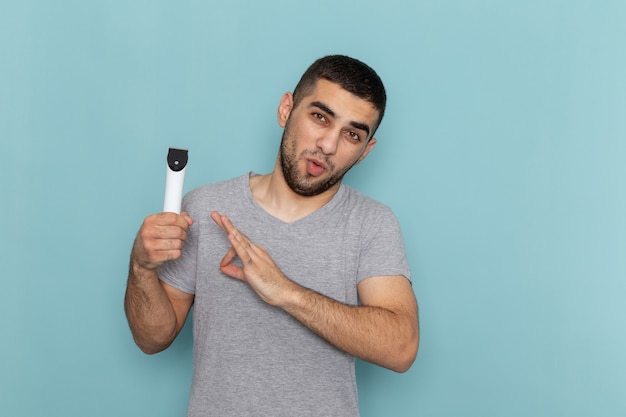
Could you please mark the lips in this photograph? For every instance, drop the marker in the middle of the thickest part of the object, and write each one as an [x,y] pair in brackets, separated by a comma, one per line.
[315,168]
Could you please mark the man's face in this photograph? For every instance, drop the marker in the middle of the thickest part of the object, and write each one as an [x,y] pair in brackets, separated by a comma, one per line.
[324,136]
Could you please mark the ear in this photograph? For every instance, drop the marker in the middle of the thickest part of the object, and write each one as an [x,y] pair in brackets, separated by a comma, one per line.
[284,108]
[368,148]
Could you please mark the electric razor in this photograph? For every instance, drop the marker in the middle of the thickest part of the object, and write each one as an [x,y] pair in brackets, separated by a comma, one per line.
[175,179]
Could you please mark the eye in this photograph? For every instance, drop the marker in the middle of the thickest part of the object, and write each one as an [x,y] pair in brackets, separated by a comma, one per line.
[353,135]
[319,116]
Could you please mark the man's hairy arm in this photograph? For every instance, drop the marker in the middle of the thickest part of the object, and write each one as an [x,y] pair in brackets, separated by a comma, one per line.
[156,312]
[383,330]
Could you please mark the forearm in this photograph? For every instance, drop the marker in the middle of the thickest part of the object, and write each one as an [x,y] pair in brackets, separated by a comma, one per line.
[375,334]
[150,314]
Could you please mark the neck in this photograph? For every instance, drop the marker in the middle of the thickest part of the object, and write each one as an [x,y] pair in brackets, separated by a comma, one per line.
[278,199]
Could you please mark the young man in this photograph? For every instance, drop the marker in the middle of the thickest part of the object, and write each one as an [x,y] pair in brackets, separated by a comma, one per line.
[291,274]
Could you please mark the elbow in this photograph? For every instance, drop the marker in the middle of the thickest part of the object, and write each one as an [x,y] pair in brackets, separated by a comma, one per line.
[151,338]
[151,347]
[406,356]
[406,352]
[150,350]
[152,342]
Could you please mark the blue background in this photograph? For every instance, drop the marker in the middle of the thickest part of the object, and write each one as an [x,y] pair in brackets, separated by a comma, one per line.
[502,153]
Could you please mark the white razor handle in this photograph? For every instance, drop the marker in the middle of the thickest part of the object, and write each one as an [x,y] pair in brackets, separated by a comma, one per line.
[175,179]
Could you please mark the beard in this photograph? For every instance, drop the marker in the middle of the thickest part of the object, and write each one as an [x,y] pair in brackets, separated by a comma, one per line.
[305,185]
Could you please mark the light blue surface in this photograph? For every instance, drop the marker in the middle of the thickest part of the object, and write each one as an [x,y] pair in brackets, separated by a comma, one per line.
[502,153]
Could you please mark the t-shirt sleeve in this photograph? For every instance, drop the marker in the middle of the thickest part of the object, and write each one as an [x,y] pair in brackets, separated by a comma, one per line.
[382,251]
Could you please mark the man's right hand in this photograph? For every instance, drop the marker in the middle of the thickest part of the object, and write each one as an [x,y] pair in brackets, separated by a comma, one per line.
[160,239]
[156,311]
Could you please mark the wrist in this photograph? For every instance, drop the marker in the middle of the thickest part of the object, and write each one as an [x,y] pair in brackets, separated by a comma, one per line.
[293,297]
[141,271]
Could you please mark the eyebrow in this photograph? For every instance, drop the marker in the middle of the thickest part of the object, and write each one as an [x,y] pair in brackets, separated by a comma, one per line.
[325,108]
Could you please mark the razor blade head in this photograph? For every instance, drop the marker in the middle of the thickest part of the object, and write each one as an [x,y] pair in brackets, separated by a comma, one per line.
[177,159]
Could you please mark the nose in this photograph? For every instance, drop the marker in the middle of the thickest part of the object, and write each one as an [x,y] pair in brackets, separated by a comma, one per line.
[328,142]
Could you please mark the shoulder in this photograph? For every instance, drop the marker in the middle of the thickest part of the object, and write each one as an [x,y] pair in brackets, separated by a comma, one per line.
[362,205]
[210,194]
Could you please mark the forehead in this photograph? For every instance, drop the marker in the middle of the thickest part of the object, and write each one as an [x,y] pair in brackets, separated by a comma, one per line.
[341,101]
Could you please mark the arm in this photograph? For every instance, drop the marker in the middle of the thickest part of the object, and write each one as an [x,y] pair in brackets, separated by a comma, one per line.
[384,330]
[156,311]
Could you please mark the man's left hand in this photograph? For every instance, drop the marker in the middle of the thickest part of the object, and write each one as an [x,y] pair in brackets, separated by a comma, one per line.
[258,268]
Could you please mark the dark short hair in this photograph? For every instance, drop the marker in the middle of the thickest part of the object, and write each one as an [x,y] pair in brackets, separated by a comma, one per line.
[351,74]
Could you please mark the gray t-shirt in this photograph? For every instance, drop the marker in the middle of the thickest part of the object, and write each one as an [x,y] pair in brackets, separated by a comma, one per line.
[252,359]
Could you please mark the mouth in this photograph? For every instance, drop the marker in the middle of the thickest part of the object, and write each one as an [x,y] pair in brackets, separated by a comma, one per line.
[315,167]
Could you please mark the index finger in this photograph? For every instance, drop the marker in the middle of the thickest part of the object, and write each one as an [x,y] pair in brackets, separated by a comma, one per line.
[217,218]
[223,222]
